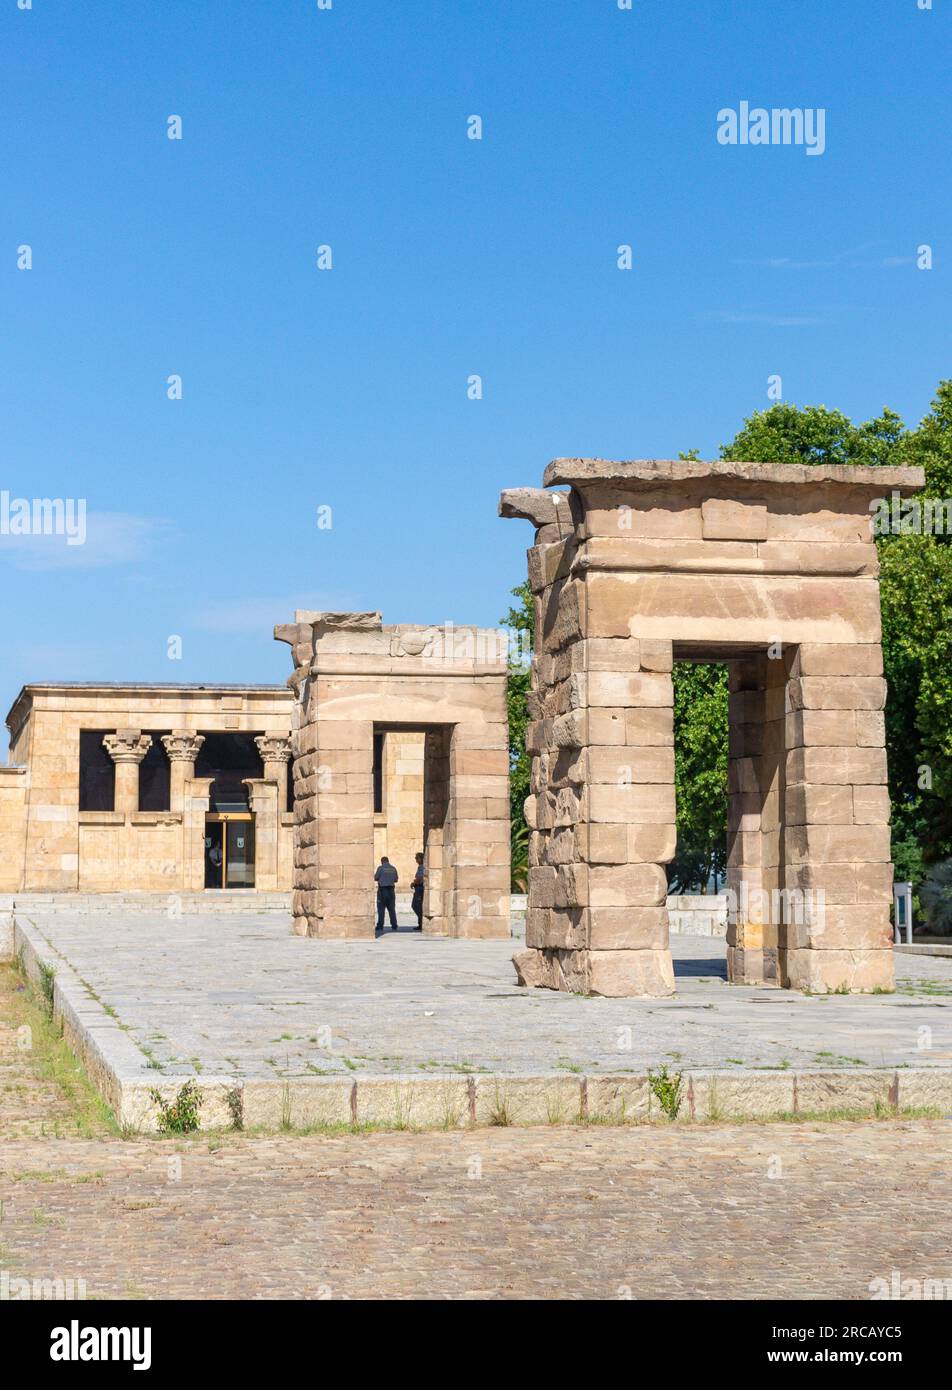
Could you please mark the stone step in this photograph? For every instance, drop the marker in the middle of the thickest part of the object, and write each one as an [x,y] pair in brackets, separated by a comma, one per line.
[221,900]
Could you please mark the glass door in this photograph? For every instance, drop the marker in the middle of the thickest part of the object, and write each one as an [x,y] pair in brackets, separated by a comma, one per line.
[214,852]
[239,853]
[230,850]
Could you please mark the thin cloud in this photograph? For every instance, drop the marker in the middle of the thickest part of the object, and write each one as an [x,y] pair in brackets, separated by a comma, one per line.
[772,320]
[866,257]
[111,538]
[259,615]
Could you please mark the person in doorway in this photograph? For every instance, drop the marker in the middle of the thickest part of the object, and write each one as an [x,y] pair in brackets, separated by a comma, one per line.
[419,884]
[386,878]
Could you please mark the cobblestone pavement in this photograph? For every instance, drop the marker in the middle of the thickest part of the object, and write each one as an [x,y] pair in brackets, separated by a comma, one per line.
[238,994]
[762,1212]
[751,1211]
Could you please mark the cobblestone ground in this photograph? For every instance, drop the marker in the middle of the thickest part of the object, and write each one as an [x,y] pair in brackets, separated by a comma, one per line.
[567,1213]
[753,1211]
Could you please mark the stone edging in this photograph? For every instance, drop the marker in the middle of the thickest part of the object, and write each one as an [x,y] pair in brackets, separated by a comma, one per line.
[122,1075]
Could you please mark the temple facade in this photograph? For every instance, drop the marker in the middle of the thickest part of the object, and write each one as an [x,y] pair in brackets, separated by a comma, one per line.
[171,788]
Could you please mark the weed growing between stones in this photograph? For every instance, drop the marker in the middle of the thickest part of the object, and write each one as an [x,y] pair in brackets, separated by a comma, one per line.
[179,1116]
[47,977]
[235,1101]
[666,1090]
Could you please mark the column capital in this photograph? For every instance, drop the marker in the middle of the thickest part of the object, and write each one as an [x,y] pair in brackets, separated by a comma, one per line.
[182,745]
[274,748]
[127,745]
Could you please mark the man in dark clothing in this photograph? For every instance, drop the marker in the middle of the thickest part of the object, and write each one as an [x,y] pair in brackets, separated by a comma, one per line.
[419,884]
[386,878]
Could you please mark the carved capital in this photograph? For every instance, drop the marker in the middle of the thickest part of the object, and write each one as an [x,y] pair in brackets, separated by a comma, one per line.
[274,748]
[127,745]
[182,746]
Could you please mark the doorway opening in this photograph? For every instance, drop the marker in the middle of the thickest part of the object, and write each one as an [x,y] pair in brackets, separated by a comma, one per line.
[729,875]
[696,875]
[229,758]
[411,773]
[230,850]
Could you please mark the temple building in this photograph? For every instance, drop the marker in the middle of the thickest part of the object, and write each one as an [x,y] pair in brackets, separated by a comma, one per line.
[126,787]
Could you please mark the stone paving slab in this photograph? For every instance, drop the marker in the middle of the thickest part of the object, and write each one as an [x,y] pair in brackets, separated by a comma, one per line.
[412,1030]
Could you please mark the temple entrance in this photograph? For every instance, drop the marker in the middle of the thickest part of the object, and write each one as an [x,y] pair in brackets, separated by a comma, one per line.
[364,688]
[411,796]
[731,745]
[230,850]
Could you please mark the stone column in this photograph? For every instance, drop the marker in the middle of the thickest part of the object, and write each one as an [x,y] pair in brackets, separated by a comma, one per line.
[275,750]
[436,800]
[127,748]
[182,747]
[602,794]
[263,802]
[756,775]
[836,841]
[476,839]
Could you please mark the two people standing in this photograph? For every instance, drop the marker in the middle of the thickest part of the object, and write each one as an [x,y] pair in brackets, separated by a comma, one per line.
[386,879]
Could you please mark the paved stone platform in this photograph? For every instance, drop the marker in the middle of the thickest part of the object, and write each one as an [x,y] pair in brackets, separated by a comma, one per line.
[240,1001]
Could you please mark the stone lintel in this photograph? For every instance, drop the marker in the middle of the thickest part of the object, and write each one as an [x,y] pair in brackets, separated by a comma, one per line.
[870,478]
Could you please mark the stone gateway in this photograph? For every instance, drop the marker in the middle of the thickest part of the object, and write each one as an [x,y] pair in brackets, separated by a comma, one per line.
[772,570]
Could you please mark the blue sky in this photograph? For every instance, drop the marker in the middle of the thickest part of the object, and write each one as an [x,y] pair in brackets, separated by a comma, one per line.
[348,388]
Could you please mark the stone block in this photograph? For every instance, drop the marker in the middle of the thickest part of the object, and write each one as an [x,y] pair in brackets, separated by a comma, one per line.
[627,929]
[633,805]
[652,844]
[813,803]
[725,519]
[636,974]
[840,659]
[837,692]
[609,654]
[837,844]
[863,766]
[648,727]
[629,885]
[843,927]
[829,971]
[624,765]
[608,844]
[871,805]
[637,689]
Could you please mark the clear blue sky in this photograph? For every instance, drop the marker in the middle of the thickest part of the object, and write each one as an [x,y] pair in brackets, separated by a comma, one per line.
[348,388]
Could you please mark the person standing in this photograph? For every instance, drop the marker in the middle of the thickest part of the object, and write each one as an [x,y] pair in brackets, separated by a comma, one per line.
[386,878]
[419,885]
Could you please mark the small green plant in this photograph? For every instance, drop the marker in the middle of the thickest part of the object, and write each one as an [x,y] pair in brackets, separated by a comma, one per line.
[47,976]
[666,1090]
[235,1101]
[179,1116]
[500,1114]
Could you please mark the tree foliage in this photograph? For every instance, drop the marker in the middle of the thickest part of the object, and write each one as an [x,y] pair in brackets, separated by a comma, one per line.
[700,775]
[916,595]
[520,618]
[916,592]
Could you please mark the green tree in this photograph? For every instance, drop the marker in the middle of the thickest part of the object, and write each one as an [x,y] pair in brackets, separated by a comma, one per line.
[700,775]
[519,619]
[916,593]
[812,435]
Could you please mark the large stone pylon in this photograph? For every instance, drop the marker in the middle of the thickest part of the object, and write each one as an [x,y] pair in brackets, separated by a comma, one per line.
[771,569]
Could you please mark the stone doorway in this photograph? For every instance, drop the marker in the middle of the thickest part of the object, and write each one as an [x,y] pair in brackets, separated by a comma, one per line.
[767,916]
[358,682]
[773,568]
